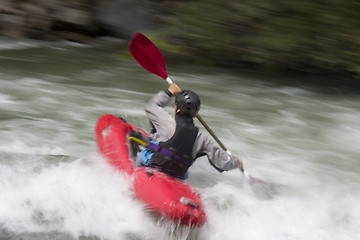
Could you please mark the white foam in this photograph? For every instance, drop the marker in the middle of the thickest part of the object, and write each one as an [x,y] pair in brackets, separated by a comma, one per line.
[81,197]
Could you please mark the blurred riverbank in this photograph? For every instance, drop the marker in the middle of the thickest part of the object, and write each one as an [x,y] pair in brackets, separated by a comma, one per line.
[300,36]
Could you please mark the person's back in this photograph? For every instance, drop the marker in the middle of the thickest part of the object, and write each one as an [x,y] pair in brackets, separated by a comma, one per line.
[176,142]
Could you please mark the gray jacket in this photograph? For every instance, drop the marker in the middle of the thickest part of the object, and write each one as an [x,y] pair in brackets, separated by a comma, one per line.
[164,125]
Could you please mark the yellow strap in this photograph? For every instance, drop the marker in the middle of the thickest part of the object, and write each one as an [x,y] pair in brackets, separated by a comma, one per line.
[138,141]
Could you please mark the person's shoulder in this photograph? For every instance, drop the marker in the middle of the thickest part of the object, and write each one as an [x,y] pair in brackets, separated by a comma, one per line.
[203,138]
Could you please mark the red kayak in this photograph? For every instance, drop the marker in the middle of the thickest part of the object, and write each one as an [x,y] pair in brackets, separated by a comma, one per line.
[163,194]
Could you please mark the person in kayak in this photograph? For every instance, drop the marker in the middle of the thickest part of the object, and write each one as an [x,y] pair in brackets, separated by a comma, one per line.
[175,142]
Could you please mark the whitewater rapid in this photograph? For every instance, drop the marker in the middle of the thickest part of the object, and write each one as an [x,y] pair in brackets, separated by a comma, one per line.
[54,185]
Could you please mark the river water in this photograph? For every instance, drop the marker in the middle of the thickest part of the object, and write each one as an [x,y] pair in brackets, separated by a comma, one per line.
[54,185]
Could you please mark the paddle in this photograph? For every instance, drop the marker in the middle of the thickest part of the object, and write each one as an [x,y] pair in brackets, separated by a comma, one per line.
[150,58]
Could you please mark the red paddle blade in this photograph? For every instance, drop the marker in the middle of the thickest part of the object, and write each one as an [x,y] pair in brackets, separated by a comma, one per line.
[148,55]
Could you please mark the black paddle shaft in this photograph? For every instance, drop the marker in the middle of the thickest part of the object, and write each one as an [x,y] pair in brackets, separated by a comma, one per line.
[211,132]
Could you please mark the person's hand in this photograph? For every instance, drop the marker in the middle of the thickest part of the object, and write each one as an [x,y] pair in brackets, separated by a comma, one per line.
[241,165]
[174,89]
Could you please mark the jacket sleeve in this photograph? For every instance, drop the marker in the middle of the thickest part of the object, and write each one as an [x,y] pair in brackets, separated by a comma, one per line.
[219,159]
[162,121]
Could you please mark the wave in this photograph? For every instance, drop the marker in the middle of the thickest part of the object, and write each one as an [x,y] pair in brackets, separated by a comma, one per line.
[22,43]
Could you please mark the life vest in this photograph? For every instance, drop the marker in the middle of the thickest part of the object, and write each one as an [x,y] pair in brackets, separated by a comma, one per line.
[174,156]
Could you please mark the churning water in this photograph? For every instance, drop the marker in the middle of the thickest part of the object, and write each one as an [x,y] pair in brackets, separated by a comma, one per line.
[54,185]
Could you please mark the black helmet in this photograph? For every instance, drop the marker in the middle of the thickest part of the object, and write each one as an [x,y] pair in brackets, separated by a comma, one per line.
[188,103]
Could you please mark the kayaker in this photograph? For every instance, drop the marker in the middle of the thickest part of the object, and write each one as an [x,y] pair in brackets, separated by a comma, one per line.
[175,142]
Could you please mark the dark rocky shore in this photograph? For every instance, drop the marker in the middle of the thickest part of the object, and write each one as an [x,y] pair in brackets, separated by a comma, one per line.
[300,36]
[74,20]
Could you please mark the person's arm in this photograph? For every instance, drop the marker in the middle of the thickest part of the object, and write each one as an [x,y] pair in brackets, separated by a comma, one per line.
[219,159]
[162,121]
